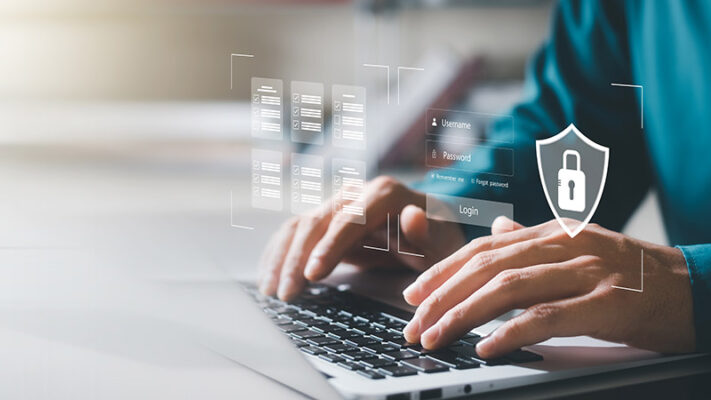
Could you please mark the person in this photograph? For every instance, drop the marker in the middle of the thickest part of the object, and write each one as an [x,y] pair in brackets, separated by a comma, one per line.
[565,285]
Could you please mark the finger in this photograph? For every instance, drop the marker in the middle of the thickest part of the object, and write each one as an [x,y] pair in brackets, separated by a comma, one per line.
[512,289]
[482,272]
[414,225]
[439,273]
[273,257]
[308,232]
[562,318]
[342,234]
[502,225]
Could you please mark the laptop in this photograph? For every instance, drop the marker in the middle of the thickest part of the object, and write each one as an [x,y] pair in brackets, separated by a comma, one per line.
[332,343]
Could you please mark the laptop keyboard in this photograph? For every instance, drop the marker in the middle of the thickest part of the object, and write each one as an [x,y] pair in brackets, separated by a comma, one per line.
[365,336]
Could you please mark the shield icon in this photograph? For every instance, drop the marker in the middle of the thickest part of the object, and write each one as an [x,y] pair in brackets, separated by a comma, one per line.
[573,170]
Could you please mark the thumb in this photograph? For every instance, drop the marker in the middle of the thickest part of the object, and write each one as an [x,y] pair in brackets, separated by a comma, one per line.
[415,227]
[502,225]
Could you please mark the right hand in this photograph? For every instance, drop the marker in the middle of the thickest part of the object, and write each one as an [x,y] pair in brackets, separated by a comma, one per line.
[310,246]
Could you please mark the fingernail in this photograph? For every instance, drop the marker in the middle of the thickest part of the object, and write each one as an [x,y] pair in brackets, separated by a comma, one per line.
[482,344]
[311,267]
[430,336]
[412,329]
[408,291]
[285,287]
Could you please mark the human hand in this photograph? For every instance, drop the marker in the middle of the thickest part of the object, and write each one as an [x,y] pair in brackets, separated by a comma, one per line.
[310,246]
[565,285]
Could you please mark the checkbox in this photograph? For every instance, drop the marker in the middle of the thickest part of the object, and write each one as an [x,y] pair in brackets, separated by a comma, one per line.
[255,98]
[337,106]
[297,98]
[296,111]
[295,183]
[296,170]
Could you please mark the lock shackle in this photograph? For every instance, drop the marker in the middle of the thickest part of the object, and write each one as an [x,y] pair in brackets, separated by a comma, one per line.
[571,153]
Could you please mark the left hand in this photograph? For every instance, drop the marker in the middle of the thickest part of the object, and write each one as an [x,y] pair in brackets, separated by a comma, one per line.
[565,285]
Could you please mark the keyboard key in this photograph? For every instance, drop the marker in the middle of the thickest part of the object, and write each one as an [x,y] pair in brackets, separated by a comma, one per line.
[378,325]
[370,374]
[523,356]
[400,355]
[289,328]
[470,352]
[331,357]
[380,348]
[426,365]
[446,357]
[387,336]
[361,341]
[342,333]
[299,342]
[466,364]
[340,348]
[471,341]
[452,359]
[402,343]
[306,334]
[323,340]
[313,350]
[358,355]
[396,325]
[397,370]
[311,322]
[282,320]
[360,326]
[350,365]
[377,362]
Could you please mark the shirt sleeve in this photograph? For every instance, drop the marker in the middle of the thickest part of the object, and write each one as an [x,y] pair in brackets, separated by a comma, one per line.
[698,261]
[569,80]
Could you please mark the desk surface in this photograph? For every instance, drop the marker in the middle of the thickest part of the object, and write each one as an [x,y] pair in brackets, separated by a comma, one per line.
[109,276]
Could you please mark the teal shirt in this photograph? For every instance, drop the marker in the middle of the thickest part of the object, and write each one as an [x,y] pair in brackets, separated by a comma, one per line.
[664,46]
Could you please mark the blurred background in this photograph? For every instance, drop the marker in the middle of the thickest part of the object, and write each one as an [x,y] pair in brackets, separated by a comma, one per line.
[134,106]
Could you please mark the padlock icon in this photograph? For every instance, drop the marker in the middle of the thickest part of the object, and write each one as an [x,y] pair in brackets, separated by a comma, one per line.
[571,185]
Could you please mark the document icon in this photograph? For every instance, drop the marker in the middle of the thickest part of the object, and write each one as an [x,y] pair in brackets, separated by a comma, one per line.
[348,186]
[307,112]
[306,182]
[267,179]
[349,116]
[267,108]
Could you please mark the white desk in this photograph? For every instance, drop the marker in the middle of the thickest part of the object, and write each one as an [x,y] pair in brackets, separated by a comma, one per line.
[107,281]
